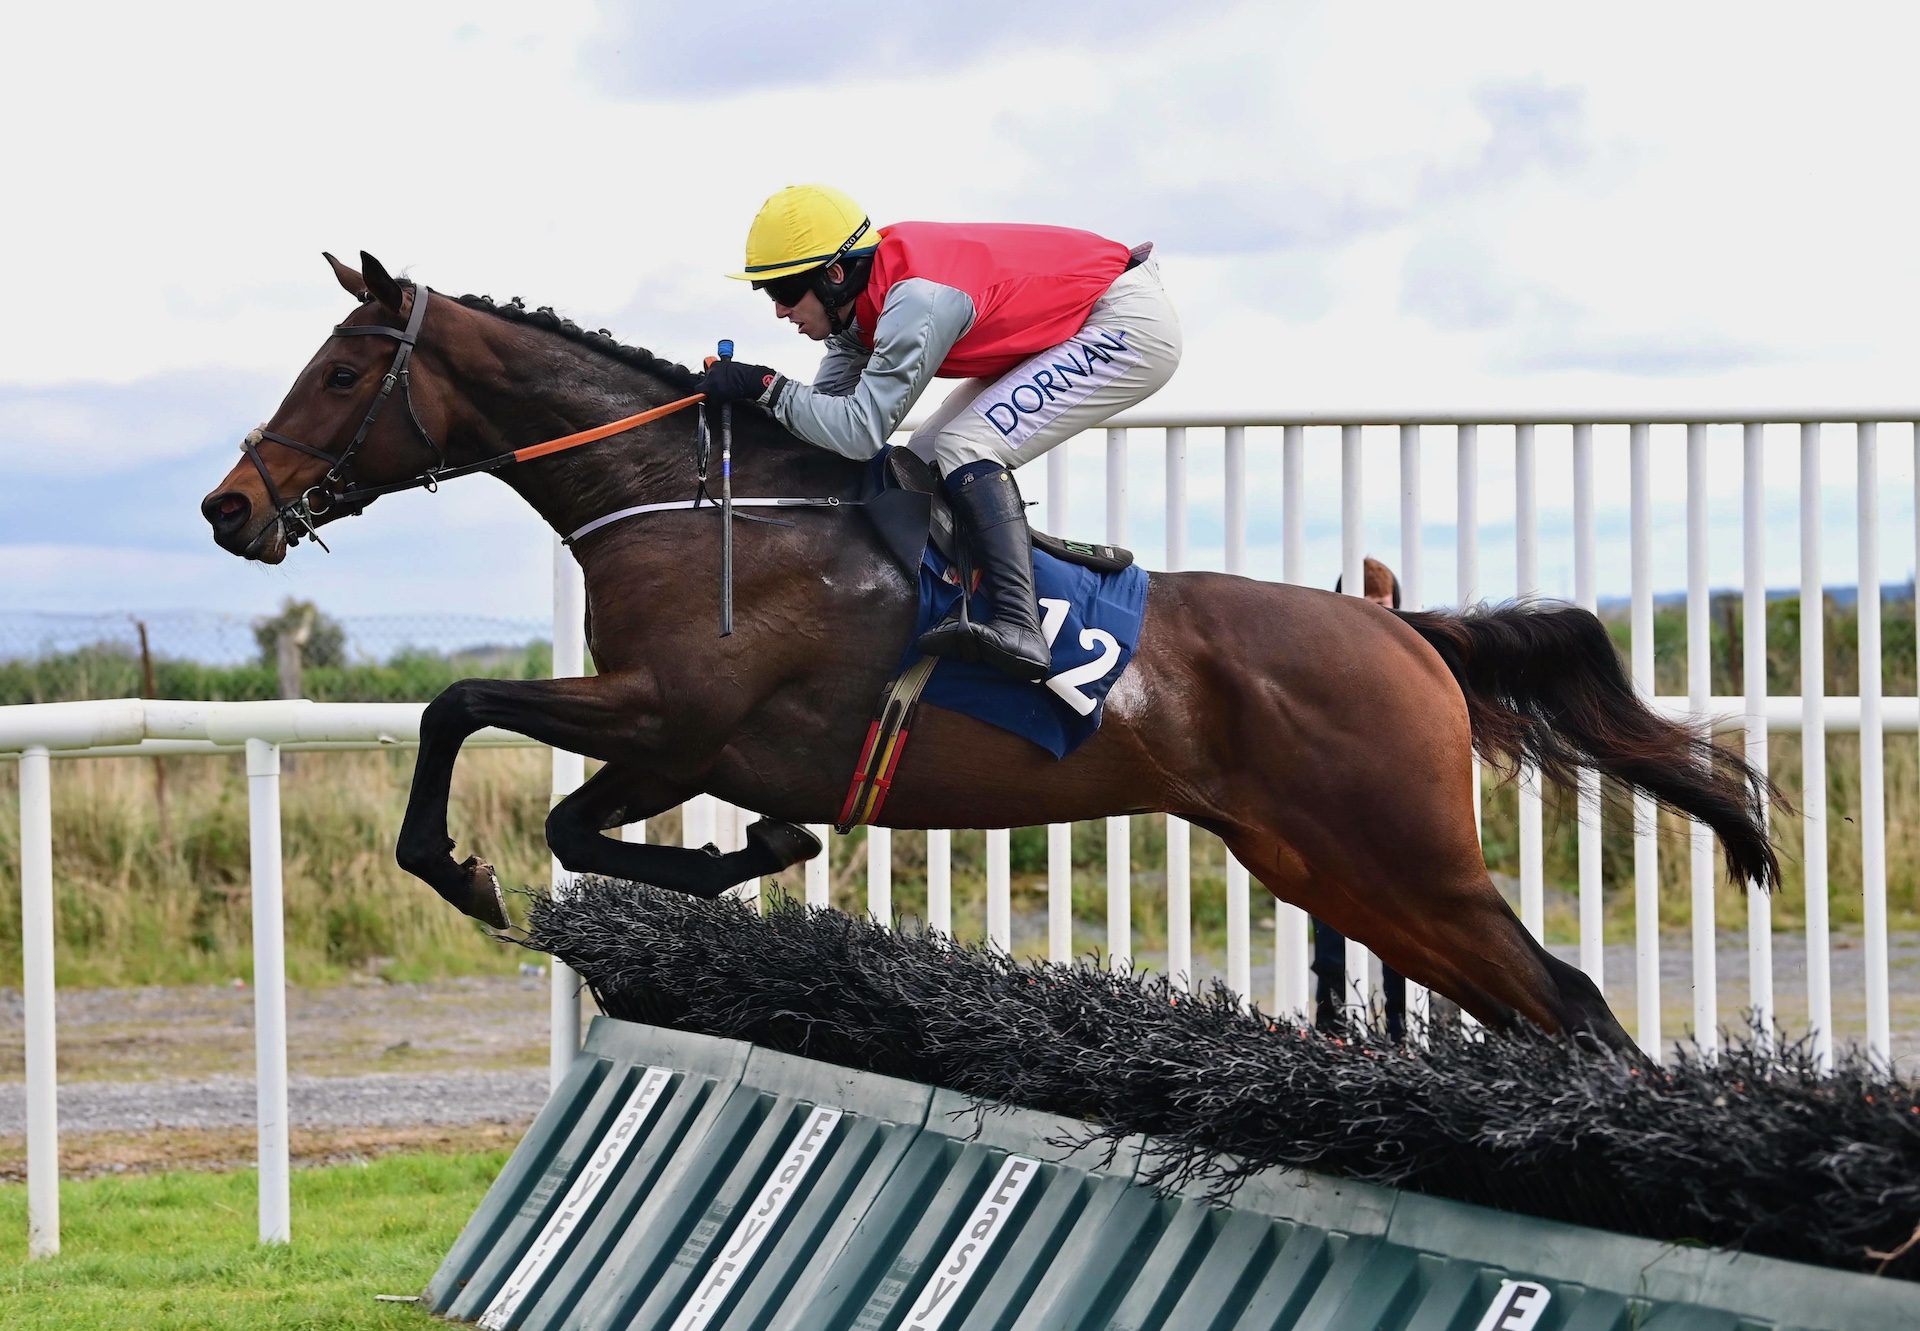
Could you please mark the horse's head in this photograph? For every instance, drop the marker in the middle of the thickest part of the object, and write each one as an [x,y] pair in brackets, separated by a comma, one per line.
[354,420]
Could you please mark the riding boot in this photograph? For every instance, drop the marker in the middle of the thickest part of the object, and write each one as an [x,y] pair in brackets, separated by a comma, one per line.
[990,510]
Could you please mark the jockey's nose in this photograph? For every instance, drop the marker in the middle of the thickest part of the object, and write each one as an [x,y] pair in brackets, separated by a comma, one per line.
[228,512]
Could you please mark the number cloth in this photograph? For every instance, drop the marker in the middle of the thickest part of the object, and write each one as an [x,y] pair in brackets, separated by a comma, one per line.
[1092,620]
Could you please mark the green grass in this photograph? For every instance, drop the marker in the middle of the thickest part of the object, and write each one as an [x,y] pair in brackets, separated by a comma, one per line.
[144,898]
[169,1251]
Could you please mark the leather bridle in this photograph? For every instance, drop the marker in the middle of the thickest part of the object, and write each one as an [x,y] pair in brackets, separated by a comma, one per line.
[337,495]
[336,489]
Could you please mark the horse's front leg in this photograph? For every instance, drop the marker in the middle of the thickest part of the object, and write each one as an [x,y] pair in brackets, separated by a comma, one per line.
[602,716]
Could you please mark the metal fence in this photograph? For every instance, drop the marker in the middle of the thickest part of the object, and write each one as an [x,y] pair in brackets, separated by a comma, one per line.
[1627,442]
[1242,503]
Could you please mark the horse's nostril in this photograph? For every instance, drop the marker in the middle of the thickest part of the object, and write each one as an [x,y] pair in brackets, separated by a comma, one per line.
[227,512]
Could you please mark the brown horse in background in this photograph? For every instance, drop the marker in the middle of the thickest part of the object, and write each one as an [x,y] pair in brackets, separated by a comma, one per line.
[1325,739]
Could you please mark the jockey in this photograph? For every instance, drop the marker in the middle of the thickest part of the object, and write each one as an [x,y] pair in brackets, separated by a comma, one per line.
[1053,330]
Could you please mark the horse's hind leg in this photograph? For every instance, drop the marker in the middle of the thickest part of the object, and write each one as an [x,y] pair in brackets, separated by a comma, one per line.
[620,793]
[1437,919]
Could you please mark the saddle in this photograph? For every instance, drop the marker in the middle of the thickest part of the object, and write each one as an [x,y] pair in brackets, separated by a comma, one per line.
[903,499]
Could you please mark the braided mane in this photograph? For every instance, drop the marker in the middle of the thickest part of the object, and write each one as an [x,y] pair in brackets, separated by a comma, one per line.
[599,340]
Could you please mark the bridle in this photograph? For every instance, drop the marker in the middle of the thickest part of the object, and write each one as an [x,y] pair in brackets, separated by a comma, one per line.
[337,495]
[327,494]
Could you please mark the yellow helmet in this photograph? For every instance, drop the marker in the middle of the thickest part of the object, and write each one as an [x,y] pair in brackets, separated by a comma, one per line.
[804,227]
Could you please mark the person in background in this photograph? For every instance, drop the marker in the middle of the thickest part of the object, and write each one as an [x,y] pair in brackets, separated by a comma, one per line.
[1331,997]
[1053,330]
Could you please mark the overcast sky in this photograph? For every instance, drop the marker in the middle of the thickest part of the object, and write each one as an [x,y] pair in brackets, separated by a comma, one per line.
[1478,207]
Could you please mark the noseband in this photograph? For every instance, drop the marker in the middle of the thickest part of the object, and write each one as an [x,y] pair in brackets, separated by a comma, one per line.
[337,487]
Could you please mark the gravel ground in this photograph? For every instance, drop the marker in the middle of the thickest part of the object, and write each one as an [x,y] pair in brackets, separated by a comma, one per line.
[163,1078]
[157,1078]
[376,1100]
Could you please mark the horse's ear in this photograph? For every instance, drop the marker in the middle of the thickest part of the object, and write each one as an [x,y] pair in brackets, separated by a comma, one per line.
[350,282]
[380,282]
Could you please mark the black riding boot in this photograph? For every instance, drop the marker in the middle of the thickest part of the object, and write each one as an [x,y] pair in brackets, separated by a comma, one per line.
[987,502]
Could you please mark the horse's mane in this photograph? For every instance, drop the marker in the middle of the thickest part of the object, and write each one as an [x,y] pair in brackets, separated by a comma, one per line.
[600,340]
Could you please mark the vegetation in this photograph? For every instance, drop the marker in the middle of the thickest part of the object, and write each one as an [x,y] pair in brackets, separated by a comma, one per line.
[178,1252]
[114,671]
[149,899]
[323,639]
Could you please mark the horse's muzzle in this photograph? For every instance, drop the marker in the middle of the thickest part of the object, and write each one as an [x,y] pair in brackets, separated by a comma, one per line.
[231,515]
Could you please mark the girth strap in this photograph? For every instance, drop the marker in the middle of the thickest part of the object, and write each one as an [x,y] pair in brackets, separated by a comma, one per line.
[639,509]
[886,741]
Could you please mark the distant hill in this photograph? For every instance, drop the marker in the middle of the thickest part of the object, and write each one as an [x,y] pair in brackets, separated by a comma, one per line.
[1895,593]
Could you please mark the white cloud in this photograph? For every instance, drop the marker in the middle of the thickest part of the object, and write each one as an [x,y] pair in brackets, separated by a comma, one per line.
[1382,206]
[92,429]
[648,49]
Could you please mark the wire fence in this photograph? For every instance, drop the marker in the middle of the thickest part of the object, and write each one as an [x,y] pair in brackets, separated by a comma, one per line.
[53,657]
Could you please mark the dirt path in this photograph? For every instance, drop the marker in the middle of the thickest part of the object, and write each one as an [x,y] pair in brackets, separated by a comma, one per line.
[370,1026]
[163,1078]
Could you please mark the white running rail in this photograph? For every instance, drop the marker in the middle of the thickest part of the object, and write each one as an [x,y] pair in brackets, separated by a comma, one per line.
[1610,446]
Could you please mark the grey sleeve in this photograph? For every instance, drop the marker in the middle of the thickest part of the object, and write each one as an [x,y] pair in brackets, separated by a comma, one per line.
[916,329]
[840,369]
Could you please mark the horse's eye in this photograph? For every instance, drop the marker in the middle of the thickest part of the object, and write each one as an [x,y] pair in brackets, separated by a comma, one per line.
[341,377]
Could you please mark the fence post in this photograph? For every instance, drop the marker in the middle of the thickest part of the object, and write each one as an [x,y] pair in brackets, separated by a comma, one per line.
[569,769]
[1119,829]
[1526,552]
[1179,837]
[1353,581]
[1292,988]
[1813,751]
[1706,1007]
[1873,808]
[1239,882]
[1412,598]
[1593,949]
[269,988]
[1059,835]
[36,951]
[1646,828]
[1753,663]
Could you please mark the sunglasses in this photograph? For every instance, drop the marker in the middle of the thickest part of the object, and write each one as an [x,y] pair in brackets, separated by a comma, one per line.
[789,290]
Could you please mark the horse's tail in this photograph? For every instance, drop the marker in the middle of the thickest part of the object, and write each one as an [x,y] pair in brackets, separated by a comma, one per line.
[1544,685]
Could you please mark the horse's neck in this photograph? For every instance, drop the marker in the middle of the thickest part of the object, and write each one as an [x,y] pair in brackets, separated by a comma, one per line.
[656,463]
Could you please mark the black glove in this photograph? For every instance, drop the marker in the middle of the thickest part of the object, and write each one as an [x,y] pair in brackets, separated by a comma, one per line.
[736,381]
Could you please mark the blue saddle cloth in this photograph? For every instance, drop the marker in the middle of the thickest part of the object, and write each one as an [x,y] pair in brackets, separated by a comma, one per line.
[1092,621]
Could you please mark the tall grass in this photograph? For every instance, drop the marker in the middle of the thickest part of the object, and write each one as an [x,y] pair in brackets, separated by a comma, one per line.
[139,904]
[144,900]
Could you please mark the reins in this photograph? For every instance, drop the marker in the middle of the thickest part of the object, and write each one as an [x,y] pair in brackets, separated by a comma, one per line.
[336,490]
[430,480]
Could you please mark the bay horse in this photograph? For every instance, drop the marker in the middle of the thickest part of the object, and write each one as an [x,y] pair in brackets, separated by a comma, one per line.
[1325,739]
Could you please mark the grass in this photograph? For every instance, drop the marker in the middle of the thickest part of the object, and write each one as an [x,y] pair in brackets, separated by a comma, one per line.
[178,1252]
[145,900]
[153,897]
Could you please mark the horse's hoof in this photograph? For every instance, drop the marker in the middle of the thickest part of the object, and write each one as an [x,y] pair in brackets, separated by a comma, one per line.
[785,843]
[480,893]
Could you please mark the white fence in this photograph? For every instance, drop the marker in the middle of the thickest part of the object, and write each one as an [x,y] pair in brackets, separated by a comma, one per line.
[38,733]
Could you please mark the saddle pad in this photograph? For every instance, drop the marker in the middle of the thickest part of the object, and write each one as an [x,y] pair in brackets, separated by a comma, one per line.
[1091,619]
